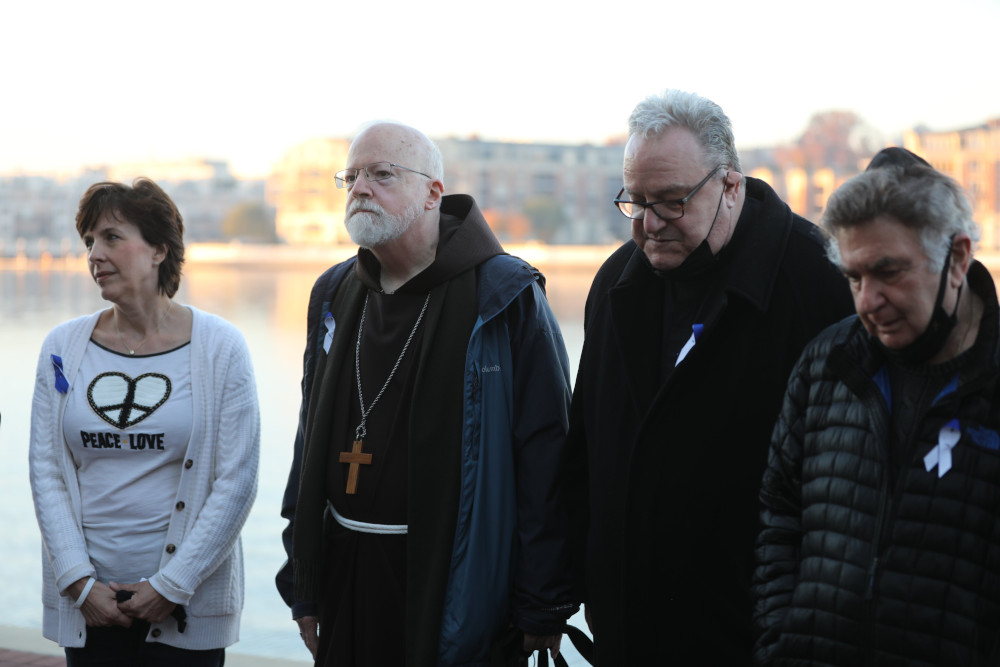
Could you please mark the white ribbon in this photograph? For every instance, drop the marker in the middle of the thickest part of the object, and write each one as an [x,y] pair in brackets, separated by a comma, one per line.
[696,330]
[940,455]
[330,326]
[363,527]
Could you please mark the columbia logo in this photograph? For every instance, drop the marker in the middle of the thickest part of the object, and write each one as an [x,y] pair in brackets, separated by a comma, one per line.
[491,369]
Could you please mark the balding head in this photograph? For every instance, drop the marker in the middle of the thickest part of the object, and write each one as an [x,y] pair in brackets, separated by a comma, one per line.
[400,144]
[393,206]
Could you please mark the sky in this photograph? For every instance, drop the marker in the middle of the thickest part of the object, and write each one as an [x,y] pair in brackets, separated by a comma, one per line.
[93,83]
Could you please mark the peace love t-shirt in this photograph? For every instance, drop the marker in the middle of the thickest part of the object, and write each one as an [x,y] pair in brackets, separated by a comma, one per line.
[127,425]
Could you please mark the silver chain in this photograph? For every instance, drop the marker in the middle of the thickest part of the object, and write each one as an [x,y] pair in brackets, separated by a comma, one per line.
[361,431]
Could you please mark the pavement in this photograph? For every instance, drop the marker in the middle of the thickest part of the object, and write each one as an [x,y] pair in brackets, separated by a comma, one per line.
[25,647]
[10,658]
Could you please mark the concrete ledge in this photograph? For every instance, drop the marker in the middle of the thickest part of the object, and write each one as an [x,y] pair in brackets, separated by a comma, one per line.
[30,640]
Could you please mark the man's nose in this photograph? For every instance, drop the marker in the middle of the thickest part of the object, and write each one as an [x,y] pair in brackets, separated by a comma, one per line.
[361,188]
[868,296]
[651,223]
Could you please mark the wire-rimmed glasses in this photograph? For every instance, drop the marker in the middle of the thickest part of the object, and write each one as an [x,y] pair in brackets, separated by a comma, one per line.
[376,171]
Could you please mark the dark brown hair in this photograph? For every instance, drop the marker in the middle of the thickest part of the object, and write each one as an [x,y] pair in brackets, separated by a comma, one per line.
[146,206]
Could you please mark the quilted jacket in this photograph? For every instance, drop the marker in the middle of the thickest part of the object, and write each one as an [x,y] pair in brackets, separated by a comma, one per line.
[855,568]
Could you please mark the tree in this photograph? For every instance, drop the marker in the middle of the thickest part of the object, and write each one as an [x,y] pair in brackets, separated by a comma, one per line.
[836,139]
[546,215]
[250,221]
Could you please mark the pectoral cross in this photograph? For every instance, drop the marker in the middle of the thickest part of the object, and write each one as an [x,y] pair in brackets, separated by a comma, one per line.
[356,458]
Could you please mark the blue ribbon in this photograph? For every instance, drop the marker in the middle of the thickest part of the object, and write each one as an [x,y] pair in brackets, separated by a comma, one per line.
[696,331]
[62,386]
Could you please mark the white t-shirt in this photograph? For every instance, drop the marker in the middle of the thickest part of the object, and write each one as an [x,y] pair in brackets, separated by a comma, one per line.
[127,432]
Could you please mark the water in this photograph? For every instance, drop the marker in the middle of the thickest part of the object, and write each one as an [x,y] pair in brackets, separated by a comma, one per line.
[268,305]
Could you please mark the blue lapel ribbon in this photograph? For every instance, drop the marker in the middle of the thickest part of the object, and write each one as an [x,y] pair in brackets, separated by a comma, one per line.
[62,386]
[696,331]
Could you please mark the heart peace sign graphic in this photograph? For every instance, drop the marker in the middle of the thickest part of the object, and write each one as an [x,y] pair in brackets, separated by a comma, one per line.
[123,402]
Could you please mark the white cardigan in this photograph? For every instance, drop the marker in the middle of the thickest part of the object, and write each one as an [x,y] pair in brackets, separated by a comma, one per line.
[218,483]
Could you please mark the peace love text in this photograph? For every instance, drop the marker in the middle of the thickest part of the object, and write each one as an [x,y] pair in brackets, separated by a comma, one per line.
[149,441]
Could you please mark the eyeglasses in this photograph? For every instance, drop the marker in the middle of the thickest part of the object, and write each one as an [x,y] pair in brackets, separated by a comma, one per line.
[668,209]
[376,171]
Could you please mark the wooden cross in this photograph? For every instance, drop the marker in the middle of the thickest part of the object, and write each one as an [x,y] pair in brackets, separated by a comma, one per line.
[355,457]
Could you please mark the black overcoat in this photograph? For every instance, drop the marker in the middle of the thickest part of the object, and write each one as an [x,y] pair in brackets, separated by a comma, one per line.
[666,475]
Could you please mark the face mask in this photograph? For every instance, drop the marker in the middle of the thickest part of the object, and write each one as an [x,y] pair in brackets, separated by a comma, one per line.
[933,338]
[701,260]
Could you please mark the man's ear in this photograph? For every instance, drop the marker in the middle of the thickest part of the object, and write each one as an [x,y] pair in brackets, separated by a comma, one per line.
[961,259]
[732,181]
[435,190]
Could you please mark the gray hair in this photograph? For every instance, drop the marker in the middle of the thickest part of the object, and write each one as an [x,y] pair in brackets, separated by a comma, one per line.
[919,197]
[700,116]
[429,151]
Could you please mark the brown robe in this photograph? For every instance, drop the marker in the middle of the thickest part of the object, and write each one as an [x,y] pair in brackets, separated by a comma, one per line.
[363,616]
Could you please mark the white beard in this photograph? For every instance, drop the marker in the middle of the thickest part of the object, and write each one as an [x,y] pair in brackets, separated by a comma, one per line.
[370,225]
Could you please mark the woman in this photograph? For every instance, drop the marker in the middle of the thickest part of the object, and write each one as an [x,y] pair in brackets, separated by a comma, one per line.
[144,447]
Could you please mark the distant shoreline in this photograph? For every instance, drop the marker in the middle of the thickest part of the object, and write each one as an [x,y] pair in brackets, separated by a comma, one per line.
[312,257]
[246,255]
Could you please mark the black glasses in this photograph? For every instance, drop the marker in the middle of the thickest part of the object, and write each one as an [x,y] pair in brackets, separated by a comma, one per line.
[376,171]
[668,209]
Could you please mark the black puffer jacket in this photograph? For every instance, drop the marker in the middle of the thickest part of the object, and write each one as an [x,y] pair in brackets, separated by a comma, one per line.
[856,569]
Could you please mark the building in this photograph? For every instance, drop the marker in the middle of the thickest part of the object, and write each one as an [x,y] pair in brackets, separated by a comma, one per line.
[804,190]
[803,183]
[204,190]
[173,171]
[310,207]
[37,213]
[551,192]
[972,157]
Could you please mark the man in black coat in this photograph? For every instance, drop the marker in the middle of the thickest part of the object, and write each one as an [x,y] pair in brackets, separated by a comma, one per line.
[881,539]
[691,330]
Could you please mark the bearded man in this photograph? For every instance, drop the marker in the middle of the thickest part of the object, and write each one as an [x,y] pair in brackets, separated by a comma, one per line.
[425,523]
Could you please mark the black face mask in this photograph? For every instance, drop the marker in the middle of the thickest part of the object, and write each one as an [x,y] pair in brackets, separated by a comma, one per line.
[701,260]
[933,338]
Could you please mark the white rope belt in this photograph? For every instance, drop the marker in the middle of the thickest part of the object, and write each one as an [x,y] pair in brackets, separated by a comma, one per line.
[364,527]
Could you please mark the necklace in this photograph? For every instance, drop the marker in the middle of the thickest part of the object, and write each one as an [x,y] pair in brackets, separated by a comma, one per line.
[142,342]
[356,456]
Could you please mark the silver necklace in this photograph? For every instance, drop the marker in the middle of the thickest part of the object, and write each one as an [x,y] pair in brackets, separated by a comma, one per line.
[142,342]
[357,456]
[361,431]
